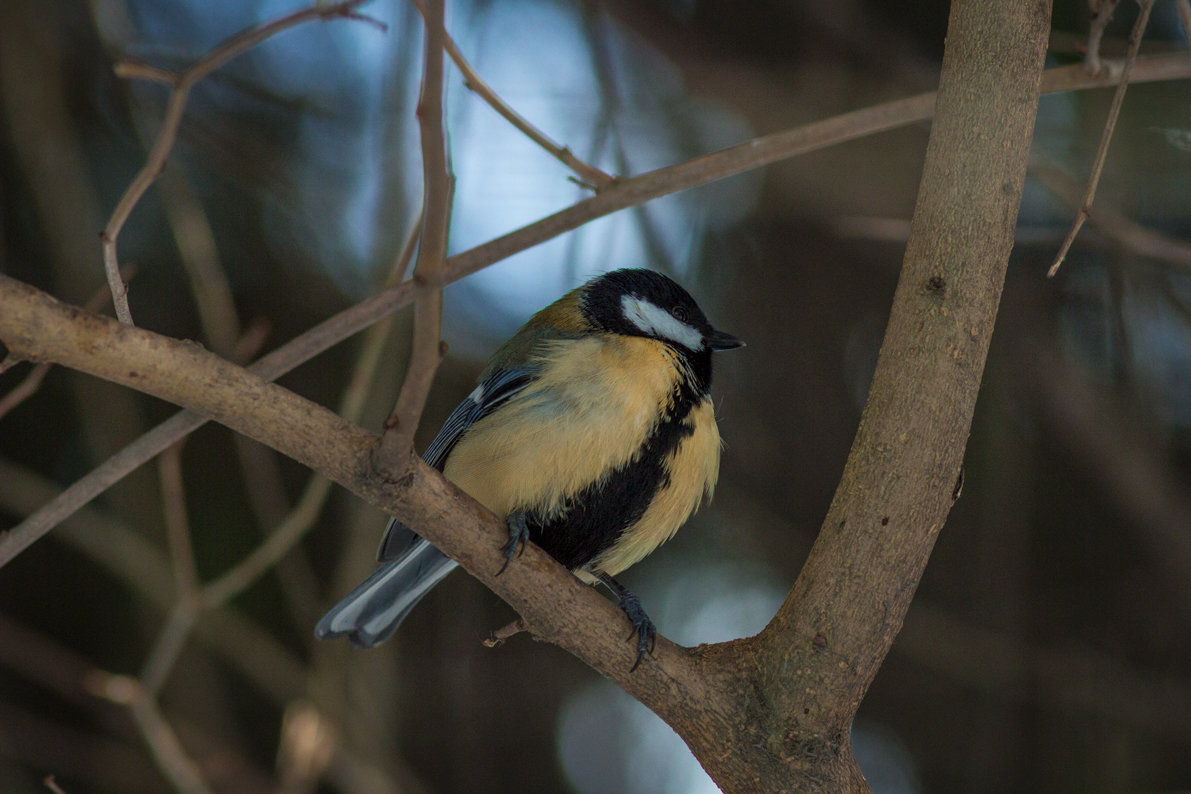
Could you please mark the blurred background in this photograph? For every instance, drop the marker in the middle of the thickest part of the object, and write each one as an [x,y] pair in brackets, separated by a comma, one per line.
[1049,646]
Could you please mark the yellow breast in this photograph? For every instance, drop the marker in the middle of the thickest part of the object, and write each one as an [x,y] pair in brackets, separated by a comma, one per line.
[694,468]
[590,411]
[593,407]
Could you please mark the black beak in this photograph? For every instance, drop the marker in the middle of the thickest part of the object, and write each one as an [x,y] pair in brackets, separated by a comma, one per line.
[722,341]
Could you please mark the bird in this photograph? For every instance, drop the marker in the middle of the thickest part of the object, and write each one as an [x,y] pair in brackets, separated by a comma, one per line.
[592,432]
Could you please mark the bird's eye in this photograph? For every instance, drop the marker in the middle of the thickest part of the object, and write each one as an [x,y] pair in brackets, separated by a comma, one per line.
[680,314]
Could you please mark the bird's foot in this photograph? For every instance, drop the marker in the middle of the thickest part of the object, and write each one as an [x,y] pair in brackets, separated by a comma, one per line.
[643,627]
[518,537]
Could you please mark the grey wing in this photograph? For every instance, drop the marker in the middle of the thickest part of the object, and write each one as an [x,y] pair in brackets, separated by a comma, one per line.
[497,389]
[410,565]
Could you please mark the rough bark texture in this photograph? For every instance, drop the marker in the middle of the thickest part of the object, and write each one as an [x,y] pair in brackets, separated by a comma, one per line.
[770,713]
[821,652]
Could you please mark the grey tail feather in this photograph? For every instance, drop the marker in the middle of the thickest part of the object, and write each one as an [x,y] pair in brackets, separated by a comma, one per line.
[371,613]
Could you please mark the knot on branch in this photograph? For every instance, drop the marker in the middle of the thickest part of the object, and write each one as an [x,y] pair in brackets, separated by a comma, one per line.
[396,470]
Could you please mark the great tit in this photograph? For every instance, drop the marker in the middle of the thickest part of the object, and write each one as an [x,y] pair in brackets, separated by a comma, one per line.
[592,432]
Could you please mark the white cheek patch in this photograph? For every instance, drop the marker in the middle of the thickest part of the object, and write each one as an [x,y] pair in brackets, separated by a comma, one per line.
[653,320]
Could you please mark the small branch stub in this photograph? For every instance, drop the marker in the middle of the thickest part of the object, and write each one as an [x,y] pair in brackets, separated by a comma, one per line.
[498,637]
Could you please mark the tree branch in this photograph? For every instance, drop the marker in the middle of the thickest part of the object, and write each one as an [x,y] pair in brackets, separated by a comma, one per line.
[627,193]
[1110,124]
[396,445]
[560,608]
[839,620]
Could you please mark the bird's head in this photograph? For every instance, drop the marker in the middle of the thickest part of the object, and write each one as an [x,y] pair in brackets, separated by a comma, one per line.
[638,302]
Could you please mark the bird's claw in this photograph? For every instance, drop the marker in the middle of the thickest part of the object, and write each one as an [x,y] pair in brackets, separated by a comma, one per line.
[643,627]
[518,537]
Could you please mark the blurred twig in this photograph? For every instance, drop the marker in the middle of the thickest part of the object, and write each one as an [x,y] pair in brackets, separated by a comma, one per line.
[143,569]
[26,388]
[194,601]
[1101,15]
[199,254]
[163,743]
[173,499]
[1139,239]
[180,85]
[589,174]
[259,466]
[1110,124]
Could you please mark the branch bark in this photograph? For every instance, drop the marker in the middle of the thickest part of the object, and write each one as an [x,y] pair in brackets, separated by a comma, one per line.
[558,606]
[906,463]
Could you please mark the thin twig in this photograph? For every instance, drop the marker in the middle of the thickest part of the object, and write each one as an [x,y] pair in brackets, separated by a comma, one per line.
[1143,17]
[177,524]
[626,193]
[1140,240]
[144,570]
[1101,15]
[168,647]
[265,556]
[167,751]
[199,254]
[180,85]
[172,759]
[9,361]
[588,174]
[427,350]
[26,388]
[287,533]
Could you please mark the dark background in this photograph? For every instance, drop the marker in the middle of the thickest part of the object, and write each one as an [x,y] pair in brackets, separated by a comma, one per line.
[1048,648]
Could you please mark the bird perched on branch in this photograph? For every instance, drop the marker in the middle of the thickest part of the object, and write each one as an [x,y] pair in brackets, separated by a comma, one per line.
[592,432]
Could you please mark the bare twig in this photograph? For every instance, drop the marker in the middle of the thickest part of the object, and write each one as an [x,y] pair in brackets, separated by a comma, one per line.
[195,601]
[626,193]
[177,524]
[9,361]
[168,647]
[588,174]
[144,570]
[498,637]
[281,540]
[26,388]
[199,254]
[1139,239]
[180,85]
[1101,15]
[171,758]
[427,348]
[1143,17]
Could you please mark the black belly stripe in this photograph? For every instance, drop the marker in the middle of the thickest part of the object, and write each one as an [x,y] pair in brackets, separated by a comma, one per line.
[598,515]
